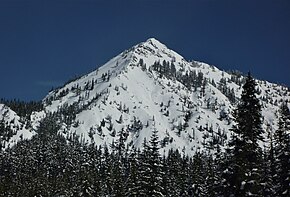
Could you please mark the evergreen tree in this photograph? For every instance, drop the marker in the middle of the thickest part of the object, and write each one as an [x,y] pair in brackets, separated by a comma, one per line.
[184,180]
[133,180]
[173,170]
[246,155]
[282,152]
[2,134]
[151,174]
[268,173]
[117,178]
[106,172]
[197,175]
[213,176]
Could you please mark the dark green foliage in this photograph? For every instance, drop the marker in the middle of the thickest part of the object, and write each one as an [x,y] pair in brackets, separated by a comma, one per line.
[244,176]
[22,108]
[5,134]
[282,152]
[228,92]
[190,79]
[50,165]
[151,168]
[133,182]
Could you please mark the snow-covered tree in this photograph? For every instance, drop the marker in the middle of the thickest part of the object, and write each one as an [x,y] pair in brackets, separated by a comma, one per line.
[151,168]
[282,152]
[246,154]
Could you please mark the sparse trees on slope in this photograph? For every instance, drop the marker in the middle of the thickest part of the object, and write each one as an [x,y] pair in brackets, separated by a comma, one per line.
[2,134]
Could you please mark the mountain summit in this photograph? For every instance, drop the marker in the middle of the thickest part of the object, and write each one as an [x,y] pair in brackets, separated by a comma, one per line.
[150,87]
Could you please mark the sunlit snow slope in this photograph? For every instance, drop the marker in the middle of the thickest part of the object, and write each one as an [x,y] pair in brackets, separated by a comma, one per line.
[127,94]
[188,102]
[14,125]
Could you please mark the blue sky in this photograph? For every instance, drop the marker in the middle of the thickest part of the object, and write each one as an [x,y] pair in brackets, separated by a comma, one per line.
[46,43]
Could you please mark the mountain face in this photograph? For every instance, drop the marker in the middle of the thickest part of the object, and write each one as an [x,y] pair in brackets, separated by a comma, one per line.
[150,87]
[12,127]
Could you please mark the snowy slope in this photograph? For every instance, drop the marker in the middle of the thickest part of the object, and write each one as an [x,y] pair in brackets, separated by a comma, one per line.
[188,102]
[14,124]
[127,95]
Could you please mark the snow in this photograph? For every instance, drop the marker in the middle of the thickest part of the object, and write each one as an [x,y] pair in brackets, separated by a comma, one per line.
[143,93]
[13,121]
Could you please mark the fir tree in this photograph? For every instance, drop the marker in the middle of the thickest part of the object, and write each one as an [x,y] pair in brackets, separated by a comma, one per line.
[151,173]
[282,152]
[246,155]
[173,170]
[133,180]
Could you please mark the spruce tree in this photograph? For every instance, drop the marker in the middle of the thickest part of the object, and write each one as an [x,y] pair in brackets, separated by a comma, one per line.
[197,175]
[268,173]
[151,170]
[246,155]
[2,134]
[133,179]
[173,171]
[282,152]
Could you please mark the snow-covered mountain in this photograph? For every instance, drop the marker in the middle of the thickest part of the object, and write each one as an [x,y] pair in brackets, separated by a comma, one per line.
[150,87]
[13,127]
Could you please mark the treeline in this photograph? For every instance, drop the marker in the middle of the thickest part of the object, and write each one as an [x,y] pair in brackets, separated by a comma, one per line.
[50,165]
[23,108]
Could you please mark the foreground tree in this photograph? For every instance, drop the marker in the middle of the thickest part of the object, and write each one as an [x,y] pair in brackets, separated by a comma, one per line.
[282,152]
[245,154]
[151,168]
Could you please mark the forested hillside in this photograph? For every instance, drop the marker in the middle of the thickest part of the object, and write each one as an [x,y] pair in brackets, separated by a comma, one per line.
[149,123]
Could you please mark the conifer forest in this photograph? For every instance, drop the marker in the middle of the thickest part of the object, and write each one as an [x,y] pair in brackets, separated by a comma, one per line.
[50,164]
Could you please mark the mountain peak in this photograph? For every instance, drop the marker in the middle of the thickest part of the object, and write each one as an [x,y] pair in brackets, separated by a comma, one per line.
[153,50]
[154,42]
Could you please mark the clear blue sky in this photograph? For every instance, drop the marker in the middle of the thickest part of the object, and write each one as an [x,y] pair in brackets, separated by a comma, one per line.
[45,43]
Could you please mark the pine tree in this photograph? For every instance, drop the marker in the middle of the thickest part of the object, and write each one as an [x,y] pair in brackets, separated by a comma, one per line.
[197,175]
[184,176]
[2,134]
[213,176]
[268,173]
[106,171]
[282,152]
[151,170]
[173,170]
[133,180]
[246,155]
[117,178]
[119,145]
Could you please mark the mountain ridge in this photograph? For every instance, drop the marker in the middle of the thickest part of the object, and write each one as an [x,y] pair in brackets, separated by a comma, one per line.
[150,87]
